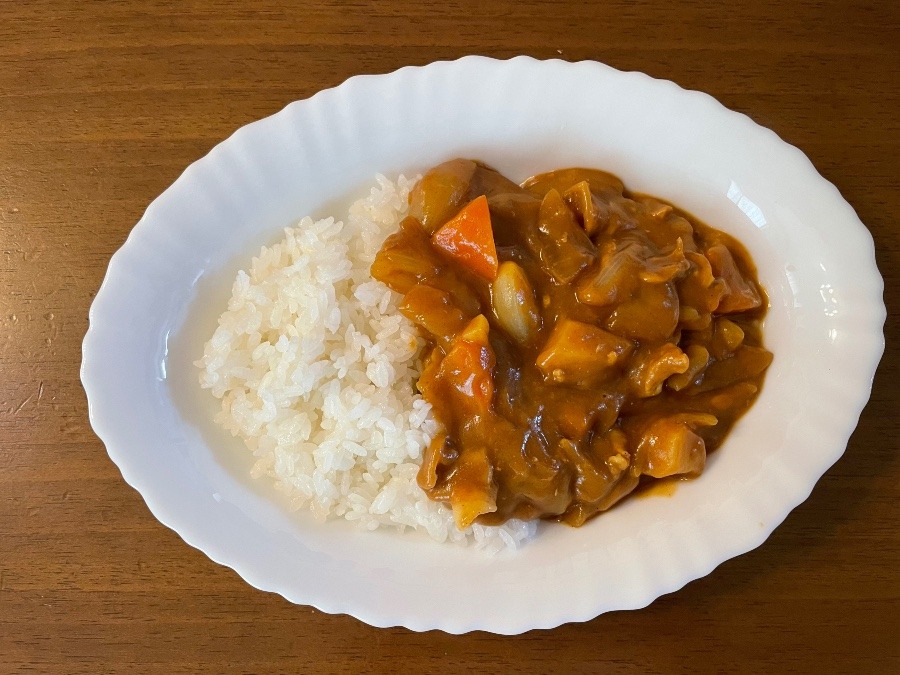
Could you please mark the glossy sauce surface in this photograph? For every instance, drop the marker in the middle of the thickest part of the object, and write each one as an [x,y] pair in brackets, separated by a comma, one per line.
[581,339]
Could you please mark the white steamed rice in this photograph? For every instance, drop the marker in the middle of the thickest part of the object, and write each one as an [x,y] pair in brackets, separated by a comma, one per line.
[315,368]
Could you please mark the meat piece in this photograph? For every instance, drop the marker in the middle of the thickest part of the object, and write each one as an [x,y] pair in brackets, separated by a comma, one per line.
[652,365]
[661,268]
[533,480]
[610,477]
[600,182]
[592,483]
[651,315]
[489,182]
[740,294]
[616,279]
[699,292]
[698,359]
[593,213]
[664,226]
[512,217]
[747,362]
[587,409]
[559,242]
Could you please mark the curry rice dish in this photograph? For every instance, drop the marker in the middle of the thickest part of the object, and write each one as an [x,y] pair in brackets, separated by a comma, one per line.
[543,351]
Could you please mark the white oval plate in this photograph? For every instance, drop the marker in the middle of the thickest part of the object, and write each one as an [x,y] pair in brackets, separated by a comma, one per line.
[166,285]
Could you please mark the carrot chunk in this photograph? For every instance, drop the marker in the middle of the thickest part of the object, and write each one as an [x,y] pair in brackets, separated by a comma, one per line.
[468,238]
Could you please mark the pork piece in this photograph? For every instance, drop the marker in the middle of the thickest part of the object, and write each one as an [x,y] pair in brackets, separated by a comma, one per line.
[617,277]
[651,315]
[740,294]
[559,242]
[652,365]
[606,476]
[699,293]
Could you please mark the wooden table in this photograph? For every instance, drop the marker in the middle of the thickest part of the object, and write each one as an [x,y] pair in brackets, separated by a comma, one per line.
[102,104]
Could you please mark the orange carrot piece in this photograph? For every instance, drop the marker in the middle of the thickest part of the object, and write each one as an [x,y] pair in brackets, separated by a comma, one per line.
[468,238]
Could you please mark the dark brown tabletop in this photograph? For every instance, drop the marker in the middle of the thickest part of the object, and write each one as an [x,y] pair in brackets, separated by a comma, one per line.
[103,104]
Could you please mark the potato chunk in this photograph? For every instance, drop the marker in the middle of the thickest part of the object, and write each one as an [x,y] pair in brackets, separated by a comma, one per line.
[466,371]
[669,446]
[580,354]
[473,491]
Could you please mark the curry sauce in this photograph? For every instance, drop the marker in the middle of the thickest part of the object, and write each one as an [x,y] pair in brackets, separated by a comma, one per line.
[581,339]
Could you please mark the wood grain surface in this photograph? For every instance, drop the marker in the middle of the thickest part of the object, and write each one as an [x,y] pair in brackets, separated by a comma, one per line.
[103,104]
